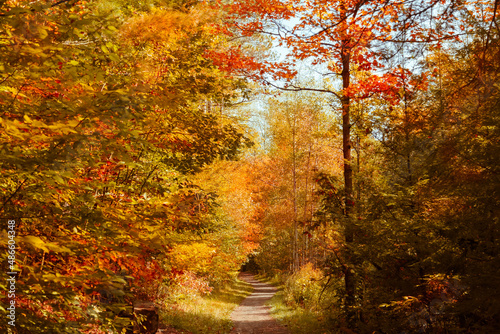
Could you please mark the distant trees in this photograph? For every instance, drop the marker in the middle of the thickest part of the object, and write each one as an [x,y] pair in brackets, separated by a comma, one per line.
[300,146]
[300,142]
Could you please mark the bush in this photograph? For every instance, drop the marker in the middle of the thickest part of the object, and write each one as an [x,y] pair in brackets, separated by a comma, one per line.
[184,286]
[303,288]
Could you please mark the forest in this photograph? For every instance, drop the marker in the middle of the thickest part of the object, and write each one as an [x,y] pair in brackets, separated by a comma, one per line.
[346,150]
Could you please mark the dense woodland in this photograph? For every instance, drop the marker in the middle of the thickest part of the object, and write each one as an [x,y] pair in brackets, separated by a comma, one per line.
[348,148]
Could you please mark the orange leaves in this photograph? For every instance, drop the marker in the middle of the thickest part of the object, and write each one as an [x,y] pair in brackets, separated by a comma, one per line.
[365,60]
[233,61]
[282,71]
[272,9]
[373,85]
[251,28]
[392,86]
[163,26]
[325,30]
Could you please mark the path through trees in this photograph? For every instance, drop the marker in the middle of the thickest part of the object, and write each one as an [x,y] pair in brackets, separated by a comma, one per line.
[252,316]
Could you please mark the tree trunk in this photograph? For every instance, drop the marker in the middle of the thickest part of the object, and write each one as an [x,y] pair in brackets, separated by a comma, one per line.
[296,259]
[305,255]
[349,278]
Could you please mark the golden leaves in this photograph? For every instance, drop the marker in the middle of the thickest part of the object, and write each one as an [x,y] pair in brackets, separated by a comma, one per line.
[164,26]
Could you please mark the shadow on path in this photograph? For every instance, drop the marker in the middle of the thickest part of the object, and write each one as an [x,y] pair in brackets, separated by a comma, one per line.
[252,316]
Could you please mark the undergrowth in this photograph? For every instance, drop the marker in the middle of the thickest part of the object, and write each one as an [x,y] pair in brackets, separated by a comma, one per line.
[299,303]
[297,319]
[206,314]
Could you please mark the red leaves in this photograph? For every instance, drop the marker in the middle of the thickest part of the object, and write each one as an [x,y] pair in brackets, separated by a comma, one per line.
[272,9]
[233,61]
[392,86]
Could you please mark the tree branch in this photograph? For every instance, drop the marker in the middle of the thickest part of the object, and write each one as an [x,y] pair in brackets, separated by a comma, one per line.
[293,88]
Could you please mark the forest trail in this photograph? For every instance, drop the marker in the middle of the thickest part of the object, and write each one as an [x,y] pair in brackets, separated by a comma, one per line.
[252,316]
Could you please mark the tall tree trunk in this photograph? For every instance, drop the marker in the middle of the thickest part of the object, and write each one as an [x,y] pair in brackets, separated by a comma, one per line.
[349,278]
[296,259]
[305,255]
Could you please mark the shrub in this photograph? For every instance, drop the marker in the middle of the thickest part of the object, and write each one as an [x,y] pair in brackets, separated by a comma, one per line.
[303,288]
[183,286]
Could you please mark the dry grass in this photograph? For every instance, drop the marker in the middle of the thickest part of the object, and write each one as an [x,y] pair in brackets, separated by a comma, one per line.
[209,314]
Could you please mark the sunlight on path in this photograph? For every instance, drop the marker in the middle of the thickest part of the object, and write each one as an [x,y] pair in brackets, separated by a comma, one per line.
[252,316]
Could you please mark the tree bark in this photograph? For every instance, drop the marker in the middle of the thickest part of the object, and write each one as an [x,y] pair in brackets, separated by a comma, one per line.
[296,263]
[350,283]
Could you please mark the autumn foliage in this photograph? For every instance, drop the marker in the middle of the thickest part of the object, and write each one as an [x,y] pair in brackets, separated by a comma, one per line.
[127,168]
[105,116]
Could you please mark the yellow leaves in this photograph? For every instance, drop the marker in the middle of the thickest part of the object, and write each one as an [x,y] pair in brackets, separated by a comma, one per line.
[38,243]
[35,130]
[160,26]
[9,89]
[13,128]
[109,47]
[79,33]
[42,32]
[163,26]
[195,257]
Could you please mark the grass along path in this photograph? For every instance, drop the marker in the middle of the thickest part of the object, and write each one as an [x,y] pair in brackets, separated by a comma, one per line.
[297,319]
[209,314]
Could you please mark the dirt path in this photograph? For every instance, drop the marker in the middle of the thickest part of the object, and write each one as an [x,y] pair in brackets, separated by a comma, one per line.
[252,316]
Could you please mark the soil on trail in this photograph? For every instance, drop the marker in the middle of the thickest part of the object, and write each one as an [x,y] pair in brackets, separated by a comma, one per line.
[252,316]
